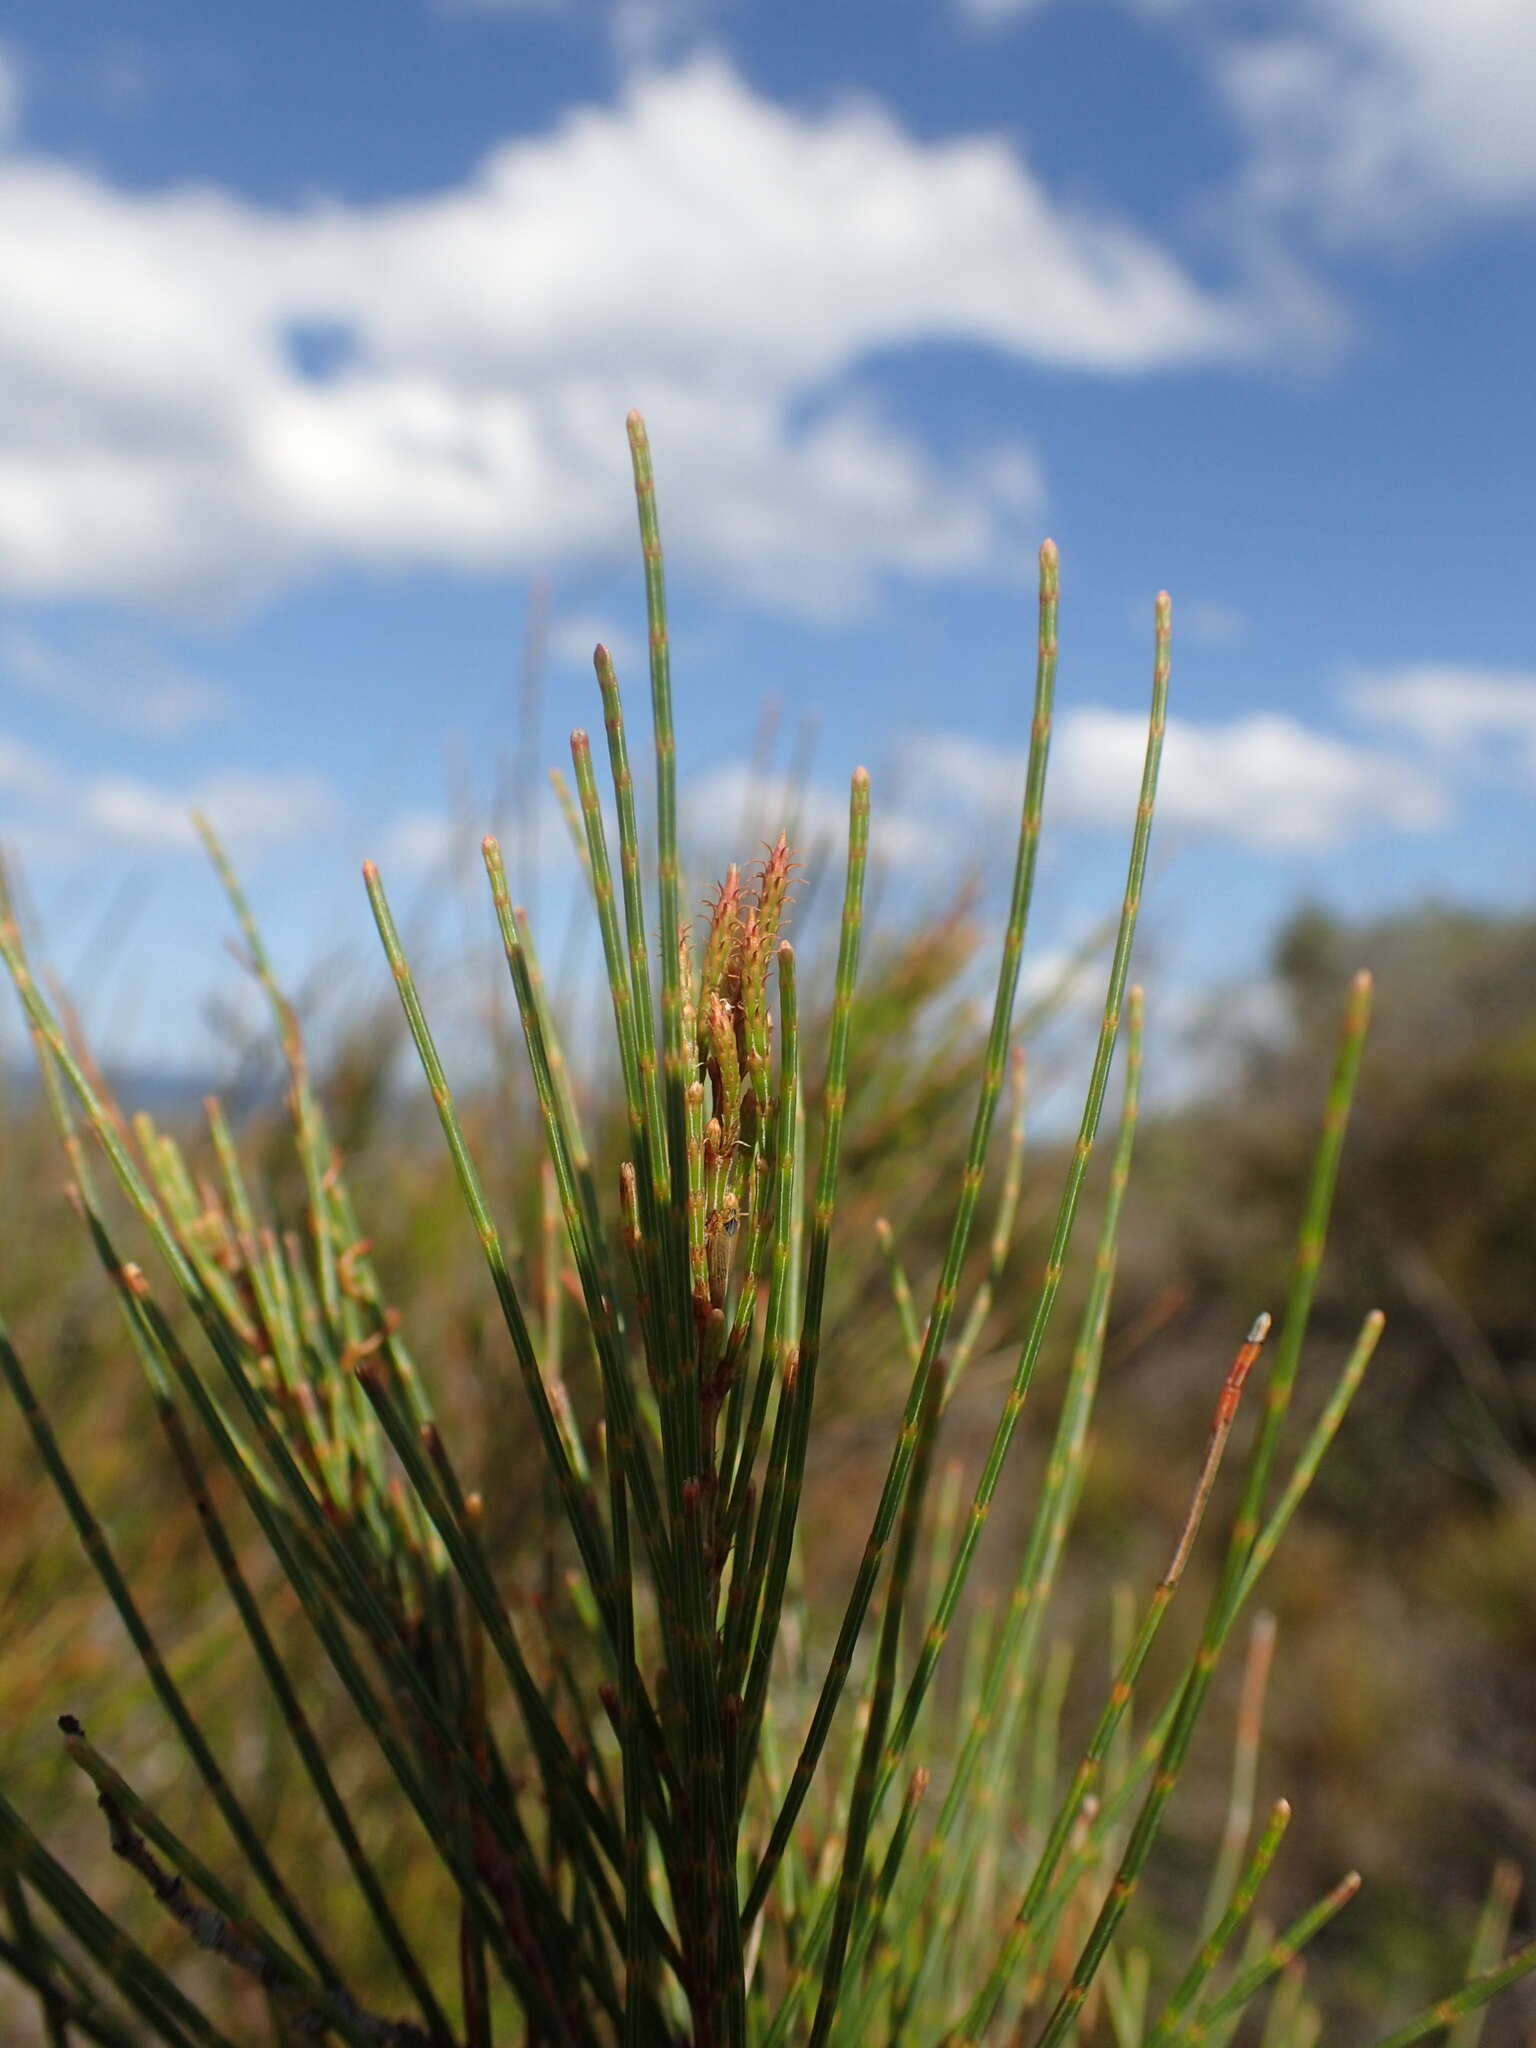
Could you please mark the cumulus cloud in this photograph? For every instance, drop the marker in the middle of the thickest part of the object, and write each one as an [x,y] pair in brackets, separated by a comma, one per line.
[572,636]
[24,772]
[641,31]
[1366,117]
[725,807]
[202,398]
[420,841]
[247,810]
[423,842]
[638,31]
[1388,115]
[57,812]
[1264,781]
[1203,622]
[1454,710]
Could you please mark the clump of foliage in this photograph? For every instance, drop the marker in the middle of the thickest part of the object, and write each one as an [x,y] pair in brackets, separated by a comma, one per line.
[661,1809]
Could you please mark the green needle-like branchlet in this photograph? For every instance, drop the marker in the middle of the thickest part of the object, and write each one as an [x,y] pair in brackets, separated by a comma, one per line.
[30,1957]
[1071,1196]
[668,876]
[1229,1918]
[129,1287]
[1245,1766]
[169,2013]
[579,1504]
[792,1426]
[653,1158]
[188,1728]
[1308,1259]
[1009,1662]
[937,1329]
[127,1814]
[1445,2012]
[1250,1982]
[1035,1906]
[1488,1945]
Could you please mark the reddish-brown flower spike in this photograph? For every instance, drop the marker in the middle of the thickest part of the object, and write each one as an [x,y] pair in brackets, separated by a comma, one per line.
[774,880]
[755,945]
[720,948]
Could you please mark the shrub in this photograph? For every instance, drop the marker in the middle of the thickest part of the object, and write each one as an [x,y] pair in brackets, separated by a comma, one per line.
[649,1821]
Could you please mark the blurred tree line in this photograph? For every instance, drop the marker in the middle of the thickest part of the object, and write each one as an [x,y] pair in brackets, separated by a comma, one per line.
[1404,1714]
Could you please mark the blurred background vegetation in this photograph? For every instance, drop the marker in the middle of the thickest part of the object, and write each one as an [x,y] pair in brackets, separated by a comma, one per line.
[1401,1719]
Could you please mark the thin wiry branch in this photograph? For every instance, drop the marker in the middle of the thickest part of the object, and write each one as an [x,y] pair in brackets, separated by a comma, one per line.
[216,1932]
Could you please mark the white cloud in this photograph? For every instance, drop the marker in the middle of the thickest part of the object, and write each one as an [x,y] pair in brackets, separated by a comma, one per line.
[247,810]
[137,694]
[572,637]
[638,31]
[1205,623]
[67,813]
[167,430]
[1264,781]
[421,841]
[424,842]
[729,809]
[24,772]
[1457,710]
[644,31]
[1388,115]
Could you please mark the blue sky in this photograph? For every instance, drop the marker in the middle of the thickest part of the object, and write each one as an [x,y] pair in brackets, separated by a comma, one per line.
[319,327]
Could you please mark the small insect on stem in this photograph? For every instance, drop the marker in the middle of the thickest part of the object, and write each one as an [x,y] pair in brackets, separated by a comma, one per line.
[721,1230]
